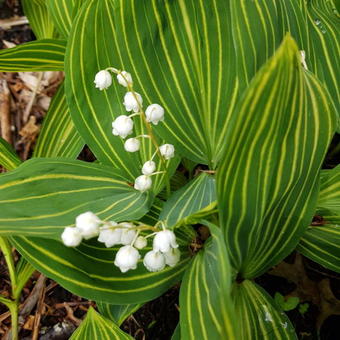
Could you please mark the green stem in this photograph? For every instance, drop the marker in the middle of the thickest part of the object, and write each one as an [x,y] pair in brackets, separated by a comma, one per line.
[7,251]
[154,142]
[138,228]
[14,309]
[13,305]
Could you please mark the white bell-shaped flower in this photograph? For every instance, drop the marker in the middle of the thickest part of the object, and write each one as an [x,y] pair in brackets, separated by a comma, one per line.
[110,237]
[154,261]
[154,113]
[164,240]
[88,224]
[132,145]
[149,168]
[167,151]
[103,80]
[127,258]
[132,102]
[143,183]
[172,257]
[122,126]
[124,78]
[71,237]
[128,233]
[141,242]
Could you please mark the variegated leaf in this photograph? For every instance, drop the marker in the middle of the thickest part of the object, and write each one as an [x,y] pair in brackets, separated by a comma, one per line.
[267,183]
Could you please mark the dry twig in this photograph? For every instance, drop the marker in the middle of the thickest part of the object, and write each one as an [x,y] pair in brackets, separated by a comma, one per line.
[70,315]
[39,312]
[14,21]
[5,111]
[33,98]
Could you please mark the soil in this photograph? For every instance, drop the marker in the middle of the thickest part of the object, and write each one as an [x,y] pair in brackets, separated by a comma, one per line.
[17,34]
[157,319]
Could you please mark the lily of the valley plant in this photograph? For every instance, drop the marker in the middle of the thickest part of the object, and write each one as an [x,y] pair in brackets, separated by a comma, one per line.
[210,122]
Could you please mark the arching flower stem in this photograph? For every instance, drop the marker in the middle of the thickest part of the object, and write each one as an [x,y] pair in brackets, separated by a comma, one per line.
[149,130]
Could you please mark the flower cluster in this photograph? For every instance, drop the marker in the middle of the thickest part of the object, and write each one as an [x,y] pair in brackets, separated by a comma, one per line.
[123,125]
[164,251]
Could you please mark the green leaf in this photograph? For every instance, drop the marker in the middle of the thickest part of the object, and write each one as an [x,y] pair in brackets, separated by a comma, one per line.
[39,55]
[146,37]
[177,181]
[96,327]
[39,18]
[206,307]
[303,308]
[177,333]
[24,271]
[155,42]
[63,12]
[190,203]
[328,205]
[286,305]
[89,270]
[258,318]
[43,196]
[58,136]
[259,27]
[92,110]
[117,313]
[6,302]
[314,25]
[279,299]
[267,183]
[256,35]
[321,244]
[152,217]
[291,303]
[8,157]
[10,160]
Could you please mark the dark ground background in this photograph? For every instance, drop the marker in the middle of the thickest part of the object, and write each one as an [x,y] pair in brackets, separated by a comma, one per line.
[296,276]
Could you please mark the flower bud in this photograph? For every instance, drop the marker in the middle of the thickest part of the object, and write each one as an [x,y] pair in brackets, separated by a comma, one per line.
[130,102]
[71,237]
[154,113]
[103,80]
[154,261]
[164,240]
[143,183]
[127,258]
[132,145]
[122,126]
[172,257]
[167,151]
[88,224]
[148,168]
[124,78]
[110,237]
[141,242]
[128,233]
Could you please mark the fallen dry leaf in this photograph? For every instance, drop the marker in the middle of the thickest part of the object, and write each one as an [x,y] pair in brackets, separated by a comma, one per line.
[8,44]
[30,130]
